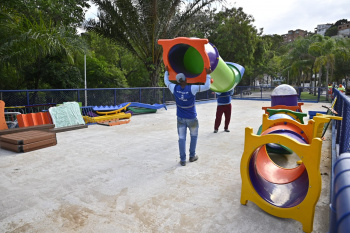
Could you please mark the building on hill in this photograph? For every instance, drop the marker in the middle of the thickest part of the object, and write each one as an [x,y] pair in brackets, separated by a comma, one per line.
[344,30]
[322,28]
[293,35]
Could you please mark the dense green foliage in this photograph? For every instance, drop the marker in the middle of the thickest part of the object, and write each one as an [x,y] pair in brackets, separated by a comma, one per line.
[332,31]
[40,46]
[137,25]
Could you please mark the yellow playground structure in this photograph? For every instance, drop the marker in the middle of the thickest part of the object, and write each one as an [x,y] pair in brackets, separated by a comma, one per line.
[284,192]
[102,116]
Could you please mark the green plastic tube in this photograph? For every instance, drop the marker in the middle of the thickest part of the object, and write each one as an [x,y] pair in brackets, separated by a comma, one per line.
[225,77]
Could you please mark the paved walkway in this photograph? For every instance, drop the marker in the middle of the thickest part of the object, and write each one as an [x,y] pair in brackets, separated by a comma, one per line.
[127,178]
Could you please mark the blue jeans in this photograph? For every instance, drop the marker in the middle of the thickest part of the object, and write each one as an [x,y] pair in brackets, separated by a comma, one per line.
[182,125]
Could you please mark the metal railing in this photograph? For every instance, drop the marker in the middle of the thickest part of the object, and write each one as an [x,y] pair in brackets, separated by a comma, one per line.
[340,174]
[318,94]
[148,95]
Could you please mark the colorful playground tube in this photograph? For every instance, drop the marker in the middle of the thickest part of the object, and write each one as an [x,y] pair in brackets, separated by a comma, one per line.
[284,192]
[340,200]
[191,55]
[278,114]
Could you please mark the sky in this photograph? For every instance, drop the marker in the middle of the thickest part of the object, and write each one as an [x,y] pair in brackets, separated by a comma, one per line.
[280,16]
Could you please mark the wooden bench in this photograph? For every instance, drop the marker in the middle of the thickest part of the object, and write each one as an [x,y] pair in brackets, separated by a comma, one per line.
[27,140]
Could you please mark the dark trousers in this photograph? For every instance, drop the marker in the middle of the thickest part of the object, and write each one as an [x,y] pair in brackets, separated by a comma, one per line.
[223,109]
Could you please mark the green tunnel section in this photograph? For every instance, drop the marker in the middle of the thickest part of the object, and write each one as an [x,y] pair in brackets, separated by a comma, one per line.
[193,61]
[225,77]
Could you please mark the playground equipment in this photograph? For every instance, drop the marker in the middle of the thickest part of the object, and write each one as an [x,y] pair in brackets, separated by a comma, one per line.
[125,106]
[66,114]
[293,108]
[31,119]
[284,192]
[191,55]
[3,124]
[25,139]
[277,114]
[114,122]
[284,94]
[5,130]
[340,175]
[110,117]
[341,193]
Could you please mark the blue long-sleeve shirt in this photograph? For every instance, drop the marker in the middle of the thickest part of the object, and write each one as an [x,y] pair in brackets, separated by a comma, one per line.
[224,98]
[186,97]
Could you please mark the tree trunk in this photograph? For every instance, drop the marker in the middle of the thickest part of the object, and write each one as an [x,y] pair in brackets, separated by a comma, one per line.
[154,78]
[327,73]
[153,71]
[319,79]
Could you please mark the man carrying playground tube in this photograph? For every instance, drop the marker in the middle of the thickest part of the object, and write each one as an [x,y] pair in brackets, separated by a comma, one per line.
[185,97]
[223,107]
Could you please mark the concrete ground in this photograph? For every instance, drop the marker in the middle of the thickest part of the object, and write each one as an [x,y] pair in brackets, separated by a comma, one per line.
[127,178]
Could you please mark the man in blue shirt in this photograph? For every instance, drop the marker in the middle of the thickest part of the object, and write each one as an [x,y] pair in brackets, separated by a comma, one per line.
[224,107]
[185,97]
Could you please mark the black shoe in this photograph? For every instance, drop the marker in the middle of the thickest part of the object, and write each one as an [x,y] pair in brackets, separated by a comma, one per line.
[215,131]
[183,163]
[226,130]
[194,158]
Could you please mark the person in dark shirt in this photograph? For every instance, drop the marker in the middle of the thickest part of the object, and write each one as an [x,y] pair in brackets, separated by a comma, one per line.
[224,107]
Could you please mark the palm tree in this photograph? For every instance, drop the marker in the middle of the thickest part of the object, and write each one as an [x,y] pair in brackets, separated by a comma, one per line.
[323,52]
[342,59]
[24,42]
[301,61]
[137,25]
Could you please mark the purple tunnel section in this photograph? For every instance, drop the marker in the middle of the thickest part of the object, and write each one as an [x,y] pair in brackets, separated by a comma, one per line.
[177,53]
[280,195]
[213,55]
[290,134]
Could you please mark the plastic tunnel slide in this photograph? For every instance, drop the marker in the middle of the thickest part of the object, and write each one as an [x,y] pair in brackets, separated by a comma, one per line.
[191,55]
[277,114]
[341,201]
[284,192]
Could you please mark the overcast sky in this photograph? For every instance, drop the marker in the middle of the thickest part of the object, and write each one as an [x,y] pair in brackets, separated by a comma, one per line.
[280,16]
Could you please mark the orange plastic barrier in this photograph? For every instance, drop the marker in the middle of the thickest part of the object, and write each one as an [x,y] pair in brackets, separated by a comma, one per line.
[31,119]
[3,124]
